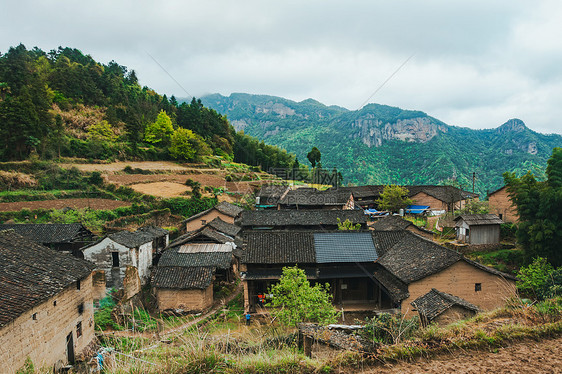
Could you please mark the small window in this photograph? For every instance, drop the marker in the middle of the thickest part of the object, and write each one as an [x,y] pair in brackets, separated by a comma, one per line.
[34,316]
[477,287]
[81,308]
[79,329]
[501,216]
[55,303]
[115,258]
[78,284]
[203,221]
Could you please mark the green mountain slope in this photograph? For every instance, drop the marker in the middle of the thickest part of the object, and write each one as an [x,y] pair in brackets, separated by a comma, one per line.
[381,144]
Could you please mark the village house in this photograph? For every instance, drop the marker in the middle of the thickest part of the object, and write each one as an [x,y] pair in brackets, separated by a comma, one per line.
[344,259]
[478,229]
[442,308]
[501,205]
[193,264]
[268,196]
[126,256]
[46,310]
[311,198]
[422,264]
[289,219]
[439,199]
[226,211]
[396,223]
[64,237]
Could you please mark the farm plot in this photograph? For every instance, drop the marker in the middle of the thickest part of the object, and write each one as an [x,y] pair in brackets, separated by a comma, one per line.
[97,204]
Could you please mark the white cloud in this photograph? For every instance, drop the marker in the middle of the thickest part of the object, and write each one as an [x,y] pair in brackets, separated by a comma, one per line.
[475,64]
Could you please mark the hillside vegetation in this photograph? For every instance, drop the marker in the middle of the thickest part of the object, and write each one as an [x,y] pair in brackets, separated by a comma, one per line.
[63,103]
[381,144]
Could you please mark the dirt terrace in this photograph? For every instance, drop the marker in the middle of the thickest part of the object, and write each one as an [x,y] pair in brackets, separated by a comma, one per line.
[97,204]
[526,357]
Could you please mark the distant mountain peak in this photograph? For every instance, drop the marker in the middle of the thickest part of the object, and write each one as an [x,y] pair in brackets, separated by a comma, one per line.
[513,125]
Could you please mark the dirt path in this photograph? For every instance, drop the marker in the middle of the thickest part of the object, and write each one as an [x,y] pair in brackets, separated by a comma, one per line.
[63,203]
[166,333]
[525,357]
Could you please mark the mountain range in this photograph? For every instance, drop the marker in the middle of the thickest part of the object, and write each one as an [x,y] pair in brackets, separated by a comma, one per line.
[380,144]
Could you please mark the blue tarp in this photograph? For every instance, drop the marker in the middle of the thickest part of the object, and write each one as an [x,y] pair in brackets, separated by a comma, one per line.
[416,209]
[374,212]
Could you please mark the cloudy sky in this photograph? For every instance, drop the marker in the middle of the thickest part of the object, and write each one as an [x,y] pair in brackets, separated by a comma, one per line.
[477,64]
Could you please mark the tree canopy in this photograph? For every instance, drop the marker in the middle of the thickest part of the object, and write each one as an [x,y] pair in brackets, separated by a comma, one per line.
[295,300]
[314,156]
[539,205]
[394,198]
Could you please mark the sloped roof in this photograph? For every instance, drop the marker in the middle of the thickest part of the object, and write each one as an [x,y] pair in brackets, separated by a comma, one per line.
[50,233]
[489,269]
[479,219]
[155,231]
[200,234]
[312,196]
[270,194]
[131,239]
[172,257]
[397,290]
[448,194]
[224,227]
[182,278]
[412,257]
[31,273]
[223,207]
[289,217]
[350,246]
[390,223]
[278,247]
[435,302]
[384,240]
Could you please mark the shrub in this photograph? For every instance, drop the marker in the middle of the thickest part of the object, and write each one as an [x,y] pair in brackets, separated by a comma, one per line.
[390,328]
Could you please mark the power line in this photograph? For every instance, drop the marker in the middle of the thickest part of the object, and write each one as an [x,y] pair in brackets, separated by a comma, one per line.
[170,75]
[387,79]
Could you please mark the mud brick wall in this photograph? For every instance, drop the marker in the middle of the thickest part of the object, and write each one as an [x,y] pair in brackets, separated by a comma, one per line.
[43,339]
[194,300]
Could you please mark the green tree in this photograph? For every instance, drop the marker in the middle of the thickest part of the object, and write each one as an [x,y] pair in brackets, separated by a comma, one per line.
[394,198]
[314,156]
[295,300]
[160,130]
[101,131]
[181,144]
[348,225]
[539,205]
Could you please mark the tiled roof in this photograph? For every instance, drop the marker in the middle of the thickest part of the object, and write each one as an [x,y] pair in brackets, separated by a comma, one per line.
[204,234]
[489,269]
[479,219]
[228,209]
[224,227]
[389,223]
[223,207]
[50,233]
[350,246]
[270,195]
[413,257]
[31,273]
[384,240]
[397,290]
[155,231]
[131,239]
[182,278]
[278,247]
[312,196]
[435,302]
[172,257]
[315,217]
[447,194]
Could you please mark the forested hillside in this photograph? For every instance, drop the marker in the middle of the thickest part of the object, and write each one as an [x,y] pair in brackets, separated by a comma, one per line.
[381,144]
[63,103]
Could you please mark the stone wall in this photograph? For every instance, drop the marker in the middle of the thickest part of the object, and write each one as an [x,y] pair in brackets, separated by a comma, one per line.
[459,280]
[131,283]
[40,333]
[193,300]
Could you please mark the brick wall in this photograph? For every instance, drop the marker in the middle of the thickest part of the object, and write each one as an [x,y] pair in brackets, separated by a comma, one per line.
[194,300]
[453,314]
[459,280]
[44,339]
[500,205]
[197,223]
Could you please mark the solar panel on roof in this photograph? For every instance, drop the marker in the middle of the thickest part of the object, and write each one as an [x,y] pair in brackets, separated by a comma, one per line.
[344,247]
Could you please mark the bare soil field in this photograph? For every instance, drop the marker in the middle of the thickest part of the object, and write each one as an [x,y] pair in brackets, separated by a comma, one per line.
[525,357]
[162,189]
[97,204]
